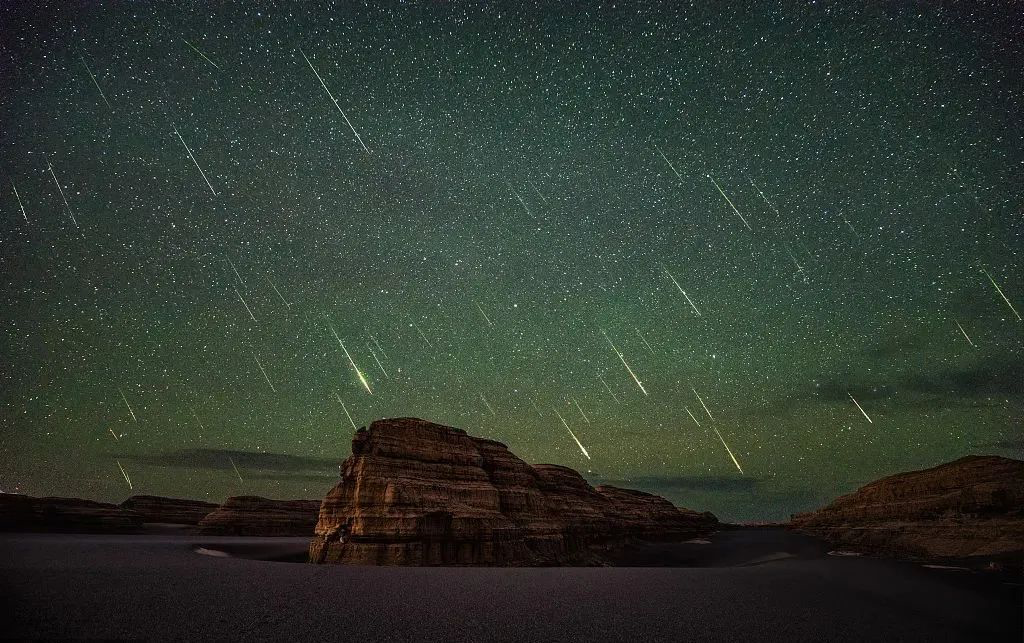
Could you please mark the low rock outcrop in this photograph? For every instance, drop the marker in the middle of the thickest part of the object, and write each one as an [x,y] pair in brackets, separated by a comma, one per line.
[256,516]
[25,513]
[971,507]
[418,493]
[177,511]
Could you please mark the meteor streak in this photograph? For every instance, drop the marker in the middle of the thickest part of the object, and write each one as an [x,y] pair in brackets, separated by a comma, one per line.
[232,460]
[623,360]
[734,461]
[379,365]
[126,478]
[243,303]
[104,96]
[488,319]
[770,205]
[729,201]
[521,202]
[232,264]
[487,404]
[566,425]
[585,418]
[644,340]
[127,404]
[692,416]
[859,407]
[114,434]
[66,204]
[536,408]
[20,204]
[537,191]
[669,163]
[418,330]
[377,344]
[191,156]
[702,403]
[680,288]
[274,286]
[335,101]
[264,373]
[609,389]
[193,48]
[1000,291]
[849,225]
[200,422]
[355,368]
[965,333]
[345,409]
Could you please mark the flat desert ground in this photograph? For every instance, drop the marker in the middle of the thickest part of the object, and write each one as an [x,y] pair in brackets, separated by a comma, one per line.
[751,584]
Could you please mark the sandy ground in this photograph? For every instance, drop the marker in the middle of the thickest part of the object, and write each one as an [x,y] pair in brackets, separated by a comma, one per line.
[745,585]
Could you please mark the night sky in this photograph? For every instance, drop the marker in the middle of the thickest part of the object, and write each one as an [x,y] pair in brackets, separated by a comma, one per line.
[500,193]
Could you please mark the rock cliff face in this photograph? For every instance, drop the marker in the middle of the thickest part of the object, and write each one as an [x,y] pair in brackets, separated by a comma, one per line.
[25,513]
[168,510]
[256,516]
[970,507]
[418,493]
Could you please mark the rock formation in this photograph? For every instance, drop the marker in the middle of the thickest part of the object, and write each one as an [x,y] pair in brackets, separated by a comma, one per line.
[971,507]
[418,493]
[256,516]
[25,513]
[169,510]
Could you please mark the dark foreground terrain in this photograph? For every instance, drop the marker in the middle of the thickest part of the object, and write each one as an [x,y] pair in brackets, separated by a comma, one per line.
[754,584]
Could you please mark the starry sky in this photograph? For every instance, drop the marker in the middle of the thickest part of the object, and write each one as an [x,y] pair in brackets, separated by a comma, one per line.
[218,221]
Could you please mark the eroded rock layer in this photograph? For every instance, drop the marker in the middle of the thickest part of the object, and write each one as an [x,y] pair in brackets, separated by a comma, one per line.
[967,508]
[177,511]
[25,513]
[418,493]
[256,516]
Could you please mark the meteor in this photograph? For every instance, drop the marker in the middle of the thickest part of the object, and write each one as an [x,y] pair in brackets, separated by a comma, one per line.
[243,303]
[191,156]
[355,368]
[965,333]
[127,404]
[585,418]
[537,191]
[680,288]
[114,434]
[66,204]
[860,408]
[232,460]
[692,416]
[669,163]
[104,96]
[283,300]
[264,373]
[849,225]
[521,202]
[644,340]
[774,209]
[418,330]
[379,365]
[193,48]
[488,319]
[200,422]
[126,478]
[609,389]
[729,201]
[376,343]
[623,360]
[536,408]
[20,204]
[232,264]
[487,404]
[566,425]
[335,101]
[1000,291]
[345,409]
[702,403]
[728,449]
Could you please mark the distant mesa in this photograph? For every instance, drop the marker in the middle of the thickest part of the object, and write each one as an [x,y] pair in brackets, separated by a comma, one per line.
[418,493]
[157,509]
[25,513]
[256,516]
[969,508]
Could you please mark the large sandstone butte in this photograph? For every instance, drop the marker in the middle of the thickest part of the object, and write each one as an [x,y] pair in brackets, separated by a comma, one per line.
[418,493]
[256,516]
[177,511]
[971,507]
[25,513]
